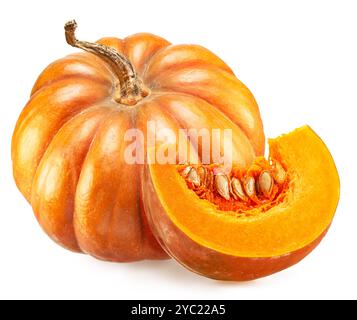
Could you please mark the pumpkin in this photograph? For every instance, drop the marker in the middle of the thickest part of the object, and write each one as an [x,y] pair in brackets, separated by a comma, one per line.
[68,146]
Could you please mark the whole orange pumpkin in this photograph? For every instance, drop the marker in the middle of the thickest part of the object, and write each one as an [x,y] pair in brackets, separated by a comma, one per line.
[68,145]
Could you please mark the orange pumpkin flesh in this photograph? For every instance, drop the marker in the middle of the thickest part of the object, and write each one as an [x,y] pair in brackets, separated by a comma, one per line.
[67,148]
[222,245]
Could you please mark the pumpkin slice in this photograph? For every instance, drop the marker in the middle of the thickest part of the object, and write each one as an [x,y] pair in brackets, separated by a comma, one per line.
[281,212]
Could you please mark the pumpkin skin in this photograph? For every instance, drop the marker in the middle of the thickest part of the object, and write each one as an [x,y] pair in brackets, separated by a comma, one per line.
[219,244]
[67,147]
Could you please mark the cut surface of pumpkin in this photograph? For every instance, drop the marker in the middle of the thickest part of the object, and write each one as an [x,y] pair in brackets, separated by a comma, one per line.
[244,225]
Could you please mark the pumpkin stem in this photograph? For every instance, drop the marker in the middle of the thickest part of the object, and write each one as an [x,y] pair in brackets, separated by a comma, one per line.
[130,89]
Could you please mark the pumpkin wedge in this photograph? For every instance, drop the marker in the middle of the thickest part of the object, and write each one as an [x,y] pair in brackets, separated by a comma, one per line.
[280,219]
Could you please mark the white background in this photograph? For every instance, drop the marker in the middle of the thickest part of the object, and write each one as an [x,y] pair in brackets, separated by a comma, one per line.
[300,60]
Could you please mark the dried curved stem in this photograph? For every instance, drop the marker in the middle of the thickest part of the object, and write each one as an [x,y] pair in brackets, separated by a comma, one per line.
[130,88]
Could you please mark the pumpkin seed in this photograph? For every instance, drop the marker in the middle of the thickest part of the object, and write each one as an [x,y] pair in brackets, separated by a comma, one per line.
[222,186]
[202,173]
[194,178]
[280,173]
[265,183]
[231,192]
[186,171]
[237,189]
[249,186]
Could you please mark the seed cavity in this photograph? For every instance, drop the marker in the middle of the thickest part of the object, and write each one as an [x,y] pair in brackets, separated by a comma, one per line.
[261,184]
